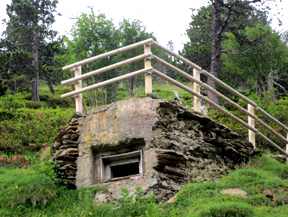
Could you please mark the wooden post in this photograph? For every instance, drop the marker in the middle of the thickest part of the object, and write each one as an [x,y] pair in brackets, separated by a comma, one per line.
[78,85]
[251,122]
[196,101]
[148,76]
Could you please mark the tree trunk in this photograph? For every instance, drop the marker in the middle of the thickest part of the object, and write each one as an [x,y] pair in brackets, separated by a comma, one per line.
[216,49]
[35,73]
[49,83]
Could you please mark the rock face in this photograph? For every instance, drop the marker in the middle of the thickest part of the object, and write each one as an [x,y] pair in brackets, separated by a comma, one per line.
[151,143]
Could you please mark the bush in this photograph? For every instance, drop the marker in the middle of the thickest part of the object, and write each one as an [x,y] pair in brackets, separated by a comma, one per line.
[10,103]
[57,102]
[30,131]
[34,105]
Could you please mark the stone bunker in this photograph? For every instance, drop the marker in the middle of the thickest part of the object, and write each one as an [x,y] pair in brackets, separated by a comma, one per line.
[152,143]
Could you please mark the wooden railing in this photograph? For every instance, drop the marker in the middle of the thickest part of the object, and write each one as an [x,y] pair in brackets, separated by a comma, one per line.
[148,70]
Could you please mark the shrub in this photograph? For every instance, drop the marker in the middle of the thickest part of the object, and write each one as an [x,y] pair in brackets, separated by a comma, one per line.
[34,105]
[57,102]
[30,131]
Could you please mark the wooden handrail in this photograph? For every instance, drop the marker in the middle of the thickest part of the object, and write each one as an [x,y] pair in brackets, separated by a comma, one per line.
[167,78]
[272,118]
[198,68]
[148,86]
[110,53]
[107,82]
[219,108]
[189,77]
[221,83]
[107,68]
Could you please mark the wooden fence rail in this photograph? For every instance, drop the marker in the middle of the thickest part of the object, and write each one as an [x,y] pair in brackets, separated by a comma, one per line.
[148,70]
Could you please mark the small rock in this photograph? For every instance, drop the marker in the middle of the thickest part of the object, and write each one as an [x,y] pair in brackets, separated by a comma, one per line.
[165,184]
[102,197]
[176,187]
[234,191]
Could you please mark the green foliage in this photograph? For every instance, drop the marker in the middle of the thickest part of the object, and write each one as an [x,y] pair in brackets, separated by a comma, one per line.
[264,56]
[27,128]
[199,47]
[25,187]
[137,206]
[28,26]
[50,169]
[10,103]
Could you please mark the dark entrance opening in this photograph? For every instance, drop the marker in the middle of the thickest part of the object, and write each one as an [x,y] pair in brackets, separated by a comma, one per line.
[125,170]
[121,165]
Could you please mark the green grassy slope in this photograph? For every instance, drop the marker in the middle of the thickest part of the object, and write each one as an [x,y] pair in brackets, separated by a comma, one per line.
[31,188]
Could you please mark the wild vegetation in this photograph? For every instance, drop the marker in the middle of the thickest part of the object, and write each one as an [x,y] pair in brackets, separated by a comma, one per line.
[253,58]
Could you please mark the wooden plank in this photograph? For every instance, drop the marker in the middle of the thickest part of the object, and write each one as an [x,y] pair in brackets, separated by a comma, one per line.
[272,143]
[113,52]
[251,122]
[196,87]
[147,64]
[105,83]
[107,68]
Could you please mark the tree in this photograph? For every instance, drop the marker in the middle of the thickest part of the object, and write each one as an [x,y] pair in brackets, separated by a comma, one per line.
[208,30]
[93,35]
[199,47]
[51,65]
[10,63]
[223,11]
[28,26]
[257,61]
[132,32]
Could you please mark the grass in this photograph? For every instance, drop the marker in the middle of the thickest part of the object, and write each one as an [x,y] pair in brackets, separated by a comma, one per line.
[31,188]
[31,192]
[205,199]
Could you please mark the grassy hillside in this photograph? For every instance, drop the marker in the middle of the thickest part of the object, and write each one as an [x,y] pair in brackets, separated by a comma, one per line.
[29,187]
[32,192]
